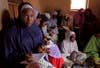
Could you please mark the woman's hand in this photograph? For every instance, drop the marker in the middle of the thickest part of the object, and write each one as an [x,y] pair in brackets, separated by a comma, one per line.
[29,57]
[44,49]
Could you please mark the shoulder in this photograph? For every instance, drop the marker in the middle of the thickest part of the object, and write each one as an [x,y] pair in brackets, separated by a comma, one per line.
[12,31]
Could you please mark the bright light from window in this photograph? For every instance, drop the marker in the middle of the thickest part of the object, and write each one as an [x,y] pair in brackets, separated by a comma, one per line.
[78,4]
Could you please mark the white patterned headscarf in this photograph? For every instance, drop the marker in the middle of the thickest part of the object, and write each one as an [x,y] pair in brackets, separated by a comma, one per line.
[27,6]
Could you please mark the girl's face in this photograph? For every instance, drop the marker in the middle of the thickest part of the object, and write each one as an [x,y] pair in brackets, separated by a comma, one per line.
[27,17]
[72,38]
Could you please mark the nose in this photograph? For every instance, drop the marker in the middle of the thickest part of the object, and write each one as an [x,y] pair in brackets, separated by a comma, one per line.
[29,18]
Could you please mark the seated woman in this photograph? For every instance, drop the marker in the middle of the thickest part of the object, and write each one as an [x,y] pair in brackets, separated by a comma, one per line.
[69,49]
[22,38]
[92,48]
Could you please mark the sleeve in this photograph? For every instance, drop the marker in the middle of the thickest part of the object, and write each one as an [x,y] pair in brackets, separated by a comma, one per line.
[75,46]
[62,47]
[65,49]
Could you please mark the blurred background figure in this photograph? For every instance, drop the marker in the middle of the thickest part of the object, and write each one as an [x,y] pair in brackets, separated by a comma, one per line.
[89,25]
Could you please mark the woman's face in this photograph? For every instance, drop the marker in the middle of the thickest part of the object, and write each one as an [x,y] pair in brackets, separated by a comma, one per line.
[27,16]
[72,38]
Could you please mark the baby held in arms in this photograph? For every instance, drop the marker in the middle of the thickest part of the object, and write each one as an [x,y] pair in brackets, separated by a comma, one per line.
[53,53]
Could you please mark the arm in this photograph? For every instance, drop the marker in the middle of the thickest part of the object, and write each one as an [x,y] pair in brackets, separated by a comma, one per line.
[11,50]
[9,45]
[75,46]
[65,48]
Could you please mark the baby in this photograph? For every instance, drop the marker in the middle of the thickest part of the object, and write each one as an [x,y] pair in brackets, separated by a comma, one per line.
[54,55]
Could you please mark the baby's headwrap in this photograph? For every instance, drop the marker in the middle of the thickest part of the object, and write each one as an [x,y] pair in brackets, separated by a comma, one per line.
[27,6]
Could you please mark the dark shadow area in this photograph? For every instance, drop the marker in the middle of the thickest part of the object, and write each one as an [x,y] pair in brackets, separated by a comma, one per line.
[6,22]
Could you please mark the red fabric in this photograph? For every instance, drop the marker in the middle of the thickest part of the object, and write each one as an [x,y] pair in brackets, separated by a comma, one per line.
[56,62]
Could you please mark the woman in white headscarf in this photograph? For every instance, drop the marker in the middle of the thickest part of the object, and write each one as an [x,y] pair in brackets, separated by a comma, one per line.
[69,44]
[69,48]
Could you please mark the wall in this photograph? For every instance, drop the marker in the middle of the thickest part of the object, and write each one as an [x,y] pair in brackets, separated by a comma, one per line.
[35,3]
[3,6]
[94,5]
[64,5]
[51,5]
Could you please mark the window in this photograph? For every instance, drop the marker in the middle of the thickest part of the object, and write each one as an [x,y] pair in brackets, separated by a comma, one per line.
[78,4]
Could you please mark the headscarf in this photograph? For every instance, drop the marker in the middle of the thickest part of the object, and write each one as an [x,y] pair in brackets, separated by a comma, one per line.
[68,46]
[68,34]
[26,5]
[47,15]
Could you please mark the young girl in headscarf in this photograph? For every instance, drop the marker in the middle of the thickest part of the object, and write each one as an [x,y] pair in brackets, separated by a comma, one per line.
[69,44]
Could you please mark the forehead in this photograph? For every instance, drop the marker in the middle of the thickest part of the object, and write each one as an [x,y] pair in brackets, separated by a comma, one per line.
[27,10]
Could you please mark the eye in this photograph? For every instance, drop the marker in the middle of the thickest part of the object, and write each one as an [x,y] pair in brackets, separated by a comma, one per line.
[26,16]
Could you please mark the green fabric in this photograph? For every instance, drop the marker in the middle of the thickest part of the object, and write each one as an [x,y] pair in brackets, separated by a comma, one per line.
[98,42]
[92,47]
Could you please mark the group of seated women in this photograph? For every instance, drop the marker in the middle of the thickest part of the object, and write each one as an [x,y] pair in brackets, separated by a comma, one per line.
[33,34]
